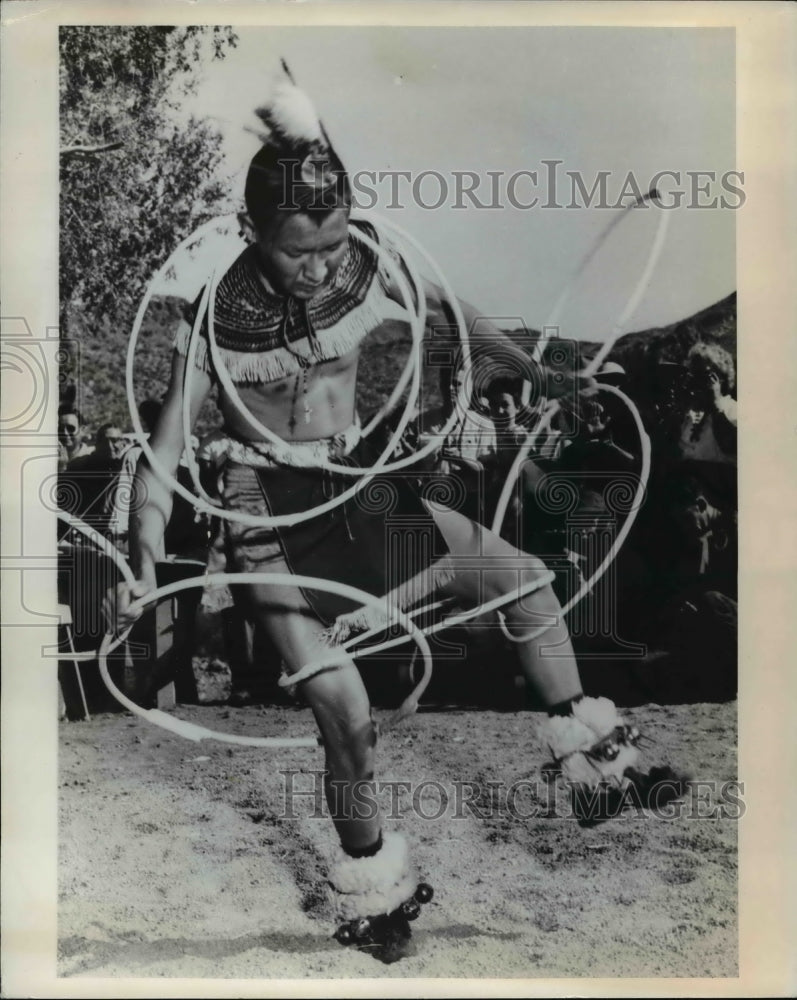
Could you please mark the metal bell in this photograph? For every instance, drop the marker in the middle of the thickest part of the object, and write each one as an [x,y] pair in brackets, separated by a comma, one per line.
[361,929]
[424,892]
[343,935]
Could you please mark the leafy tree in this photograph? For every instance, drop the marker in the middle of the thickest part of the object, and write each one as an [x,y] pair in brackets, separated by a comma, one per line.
[137,176]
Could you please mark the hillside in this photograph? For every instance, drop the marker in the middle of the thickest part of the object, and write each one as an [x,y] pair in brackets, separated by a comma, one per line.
[640,352]
[637,351]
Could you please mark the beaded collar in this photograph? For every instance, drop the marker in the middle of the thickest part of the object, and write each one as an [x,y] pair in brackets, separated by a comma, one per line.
[263,336]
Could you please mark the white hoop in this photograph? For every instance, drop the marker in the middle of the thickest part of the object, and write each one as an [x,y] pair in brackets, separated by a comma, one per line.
[553,318]
[365,475]
[644,476]
[193,343]
[381,465]
[393,614]
[398,389]
[594,365]
[493,605]
[197,502]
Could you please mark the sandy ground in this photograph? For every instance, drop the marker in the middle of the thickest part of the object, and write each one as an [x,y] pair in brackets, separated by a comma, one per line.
[174,860]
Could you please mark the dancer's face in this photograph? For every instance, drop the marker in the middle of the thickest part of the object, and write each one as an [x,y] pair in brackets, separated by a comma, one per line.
[300,255]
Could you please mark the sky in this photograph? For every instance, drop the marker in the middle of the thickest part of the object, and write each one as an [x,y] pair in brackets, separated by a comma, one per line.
[622,100]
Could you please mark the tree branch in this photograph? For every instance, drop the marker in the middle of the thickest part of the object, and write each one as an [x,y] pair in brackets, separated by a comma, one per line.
[67,151]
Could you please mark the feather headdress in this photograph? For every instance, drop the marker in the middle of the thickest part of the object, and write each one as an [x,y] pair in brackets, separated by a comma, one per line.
[290,116]
[296,152]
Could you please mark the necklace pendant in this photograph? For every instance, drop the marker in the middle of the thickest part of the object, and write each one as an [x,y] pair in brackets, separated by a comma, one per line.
[308,412]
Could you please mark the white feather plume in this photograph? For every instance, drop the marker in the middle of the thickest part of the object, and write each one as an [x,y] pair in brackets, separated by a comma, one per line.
[290,115]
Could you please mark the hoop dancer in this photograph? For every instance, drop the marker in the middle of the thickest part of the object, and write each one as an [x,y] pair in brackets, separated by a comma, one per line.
[287,320]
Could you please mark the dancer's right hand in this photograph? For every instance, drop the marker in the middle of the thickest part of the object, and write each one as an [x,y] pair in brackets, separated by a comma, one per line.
[118,600]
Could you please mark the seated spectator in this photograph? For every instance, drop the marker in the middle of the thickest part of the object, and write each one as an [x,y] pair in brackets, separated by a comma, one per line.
[593,450]
[593,463]
[457,453]
[70,439]
[471,436]
[706,517]
[687,529]
[708,429]
[687,615]
[504,400]
[588,465]
[88,484]
[623,426]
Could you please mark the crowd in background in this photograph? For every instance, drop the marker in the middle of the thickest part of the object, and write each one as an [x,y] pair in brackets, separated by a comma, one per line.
[97,484]
[669,600]
[667,605]
[97,481]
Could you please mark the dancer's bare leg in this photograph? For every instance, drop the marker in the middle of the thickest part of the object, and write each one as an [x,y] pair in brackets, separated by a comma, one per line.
[372,875]
[577,724]
[489,568]
[340,704]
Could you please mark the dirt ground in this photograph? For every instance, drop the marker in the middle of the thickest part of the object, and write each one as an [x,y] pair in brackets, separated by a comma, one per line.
[174,861]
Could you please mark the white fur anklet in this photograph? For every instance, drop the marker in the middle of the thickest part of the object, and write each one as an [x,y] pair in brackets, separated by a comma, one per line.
[593,744]
[367,887]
